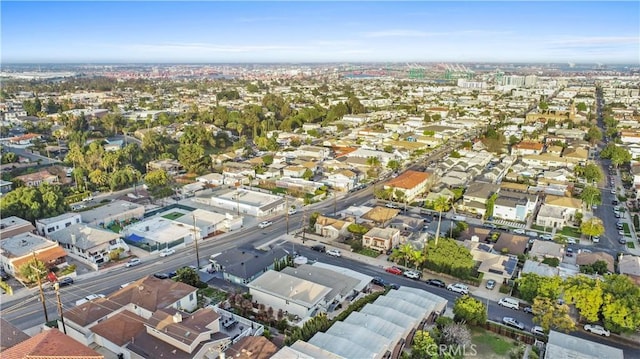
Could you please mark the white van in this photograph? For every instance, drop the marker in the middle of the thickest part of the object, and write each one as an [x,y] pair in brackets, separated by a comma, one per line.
[459,218]
[509,303]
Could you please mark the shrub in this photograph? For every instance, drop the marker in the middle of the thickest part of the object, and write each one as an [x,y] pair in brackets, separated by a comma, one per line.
[553,262]
[505,289]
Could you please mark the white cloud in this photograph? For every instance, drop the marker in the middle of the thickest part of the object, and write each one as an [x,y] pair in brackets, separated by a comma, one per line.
[418,33]
[596,40]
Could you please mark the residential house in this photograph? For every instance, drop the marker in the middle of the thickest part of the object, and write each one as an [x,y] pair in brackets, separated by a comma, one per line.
[5,186]
[527,148]
[213,179]
[629,265]
[511,244]
[244,201]
[381,239]
[252,348]
[584,258]
[558,211]
[294,171]
[116,211]
[342,180]
[630,136]
[159,232]
[514,206]
[410,183]
[18,250]
[210,223]
[37,178]
[49,225]
[578,154]
[493,265]
[243,265]
[91,245]
[475,197]
[316,152]
[332,228]
[296,296]
[51,344]
[546,161]
[546,249]
[12,226]
[10,335]
[172,167]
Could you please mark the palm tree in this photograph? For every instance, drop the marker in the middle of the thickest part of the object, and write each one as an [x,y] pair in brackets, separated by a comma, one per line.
[440,204]
[418,257]
[405,252]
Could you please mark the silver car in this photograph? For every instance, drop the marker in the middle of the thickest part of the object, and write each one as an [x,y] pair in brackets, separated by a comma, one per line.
[512,323]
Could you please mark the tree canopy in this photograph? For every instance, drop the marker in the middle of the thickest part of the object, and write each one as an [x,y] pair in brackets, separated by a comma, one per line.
[470,310]
[33,203]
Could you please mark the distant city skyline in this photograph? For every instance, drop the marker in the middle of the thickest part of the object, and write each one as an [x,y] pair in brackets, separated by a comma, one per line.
[262,32]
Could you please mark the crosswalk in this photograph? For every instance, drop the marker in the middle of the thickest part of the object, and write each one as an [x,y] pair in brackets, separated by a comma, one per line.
[502,222]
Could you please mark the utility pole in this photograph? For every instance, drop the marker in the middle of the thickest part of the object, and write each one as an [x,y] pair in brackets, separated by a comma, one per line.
[286,206]
[195,237]
[44,305]
[56,286]
[304,228]
[335,202]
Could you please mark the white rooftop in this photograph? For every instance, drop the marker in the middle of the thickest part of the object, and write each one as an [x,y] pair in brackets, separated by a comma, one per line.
[282,285]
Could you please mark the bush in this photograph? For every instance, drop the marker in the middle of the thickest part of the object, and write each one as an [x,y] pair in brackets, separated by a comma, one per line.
[505,289]
[441,322]
[636,221]
[553,262]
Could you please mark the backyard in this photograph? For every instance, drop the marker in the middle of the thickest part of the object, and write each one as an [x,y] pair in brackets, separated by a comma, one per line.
[490,346]
[173,215]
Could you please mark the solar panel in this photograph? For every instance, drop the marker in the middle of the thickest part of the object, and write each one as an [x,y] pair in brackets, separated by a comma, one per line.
[510,265]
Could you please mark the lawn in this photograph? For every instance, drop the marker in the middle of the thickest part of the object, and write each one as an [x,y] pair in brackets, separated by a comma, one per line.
[627,231]
[571,232]
[491,346]
[115,228]
[173,215]
[631,245]
[369,252]
[540,228]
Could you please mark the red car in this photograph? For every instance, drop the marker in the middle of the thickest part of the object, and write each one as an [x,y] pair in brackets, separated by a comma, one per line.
[394,270]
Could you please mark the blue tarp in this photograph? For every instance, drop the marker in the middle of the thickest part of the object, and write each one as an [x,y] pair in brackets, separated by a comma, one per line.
[134,238]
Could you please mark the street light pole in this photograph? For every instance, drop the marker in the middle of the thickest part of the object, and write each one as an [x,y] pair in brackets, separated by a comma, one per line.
[56,286]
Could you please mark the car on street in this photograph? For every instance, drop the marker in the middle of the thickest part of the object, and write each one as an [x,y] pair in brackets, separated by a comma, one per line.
[167,252]
[393,270]
[379,281]
[537,330]
[614,202]
[394,286]
[292,211]
[436,283]
[334,252]
[569,252]
[265,224]
[528,310]
[89,298]
[511,322]
[519,231]
[5,277]
[572,240]
[132,263]
[532,234]
[458,288]
[490,284]
[622,240]
[621,232]
[613,191]
[319,248]
[411,274]
[161,275]
[63,282]
[597,329]
[546,237]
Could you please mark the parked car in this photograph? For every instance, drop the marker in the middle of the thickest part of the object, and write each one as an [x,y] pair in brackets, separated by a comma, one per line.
[412,274]
[613,191]
[393,270]
[334,252]
[537,330]
[319,248]
[63,282]
[5,277]
[436,283]
[490,284]
[546,237]
[597,329]
[532,234]
[458,288]
[512,323]
[89,298]
[519,231]
[572,240]
[569,252]
[379,281]
[167,252]
[265,224]
[132,263]
[161,275]
[292,211]
[622,240]
[394,286]
[509,303]
[528,310]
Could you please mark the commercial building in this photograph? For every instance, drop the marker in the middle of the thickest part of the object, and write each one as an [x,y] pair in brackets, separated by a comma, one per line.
[47,226]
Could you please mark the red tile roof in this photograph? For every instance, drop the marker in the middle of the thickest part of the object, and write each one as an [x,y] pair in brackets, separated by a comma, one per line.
[529,145]
[51,344]
[408,180]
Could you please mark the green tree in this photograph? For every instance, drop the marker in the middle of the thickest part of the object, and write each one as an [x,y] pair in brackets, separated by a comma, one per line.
[586,294]
[470,310]
[424,346]
[592,172]
[581,106]
[191,156]
[591,195]
[313,218]
[358,230]
[404,253]
[393,165]
[531,285]
[550,314]
[490,205]
[9,157]
[449,257]
[594,135]
[33,269]
[617,154]
[307,175]
[188,275]
[33,203]
[592,227]
[620,309]
[388,149]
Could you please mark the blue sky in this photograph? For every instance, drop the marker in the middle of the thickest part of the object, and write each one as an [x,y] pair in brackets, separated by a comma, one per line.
[213,31]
